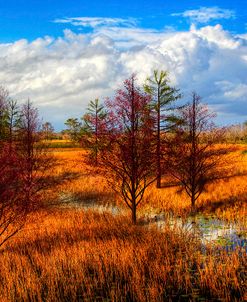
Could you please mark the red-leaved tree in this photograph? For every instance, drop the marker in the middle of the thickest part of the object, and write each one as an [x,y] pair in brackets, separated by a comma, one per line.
[24,173]
[12,208]
[35,160]
[194,154]
[128,156]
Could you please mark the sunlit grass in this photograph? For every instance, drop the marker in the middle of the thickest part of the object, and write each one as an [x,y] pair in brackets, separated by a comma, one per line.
[71,255]
[68,254]
[224,198]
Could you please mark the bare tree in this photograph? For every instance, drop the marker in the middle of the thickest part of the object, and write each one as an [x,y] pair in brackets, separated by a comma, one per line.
[47,130]
[193,154]
[128,157]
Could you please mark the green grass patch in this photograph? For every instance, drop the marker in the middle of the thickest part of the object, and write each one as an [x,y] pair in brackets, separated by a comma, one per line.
[60,145]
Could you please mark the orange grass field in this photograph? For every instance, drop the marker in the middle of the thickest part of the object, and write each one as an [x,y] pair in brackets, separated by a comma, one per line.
[226,198]
[69,254]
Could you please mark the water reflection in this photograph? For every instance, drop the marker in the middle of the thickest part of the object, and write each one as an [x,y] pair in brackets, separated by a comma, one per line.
[208,228]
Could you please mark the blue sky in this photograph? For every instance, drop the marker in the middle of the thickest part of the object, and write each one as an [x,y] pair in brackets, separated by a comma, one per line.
[32,19]
[61,54]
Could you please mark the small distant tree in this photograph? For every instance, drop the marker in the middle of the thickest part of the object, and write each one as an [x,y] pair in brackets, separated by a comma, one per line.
[163,96]
[128,156]
[244,137]
[74,129]
[9,116]
[13,118]
[47,130]
[194,157]
[4,97]
[94,128]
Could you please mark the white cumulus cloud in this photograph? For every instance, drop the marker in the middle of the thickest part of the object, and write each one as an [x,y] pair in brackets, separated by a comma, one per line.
[61,75]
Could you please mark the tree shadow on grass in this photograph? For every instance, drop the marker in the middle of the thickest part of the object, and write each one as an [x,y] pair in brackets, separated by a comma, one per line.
[63,238]
[225,203]
[51,181]
[174,183]
[85,199]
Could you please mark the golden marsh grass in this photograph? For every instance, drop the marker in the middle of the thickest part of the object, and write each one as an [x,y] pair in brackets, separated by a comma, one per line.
[68,254]
[71,255]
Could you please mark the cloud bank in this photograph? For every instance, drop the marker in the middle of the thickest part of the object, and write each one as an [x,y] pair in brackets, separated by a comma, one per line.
[61,75]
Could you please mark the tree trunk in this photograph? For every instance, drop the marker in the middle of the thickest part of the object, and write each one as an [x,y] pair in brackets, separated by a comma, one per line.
[158,151]
[158,172]
[96,137]
[133,213]
[193,200]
